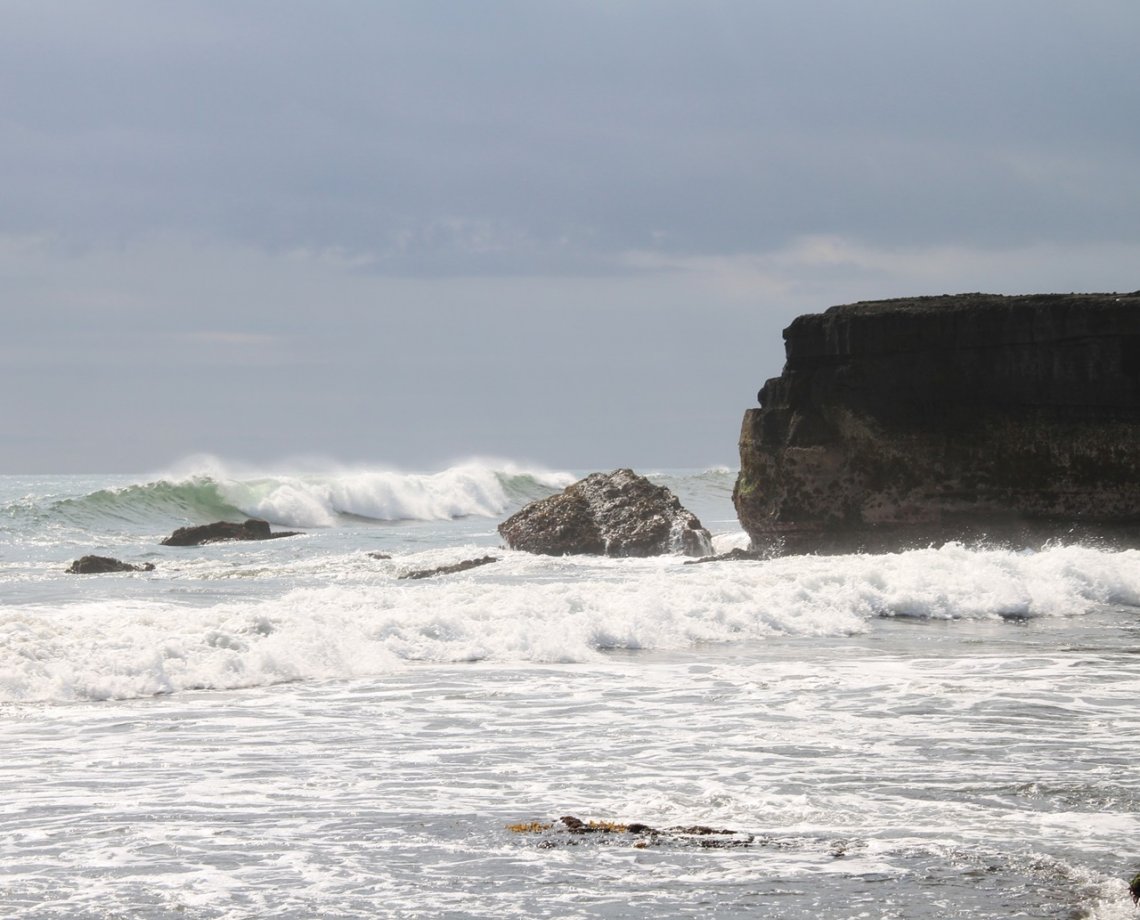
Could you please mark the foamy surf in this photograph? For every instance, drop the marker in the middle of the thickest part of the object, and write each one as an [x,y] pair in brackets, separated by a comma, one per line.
[290,729]
[353,615]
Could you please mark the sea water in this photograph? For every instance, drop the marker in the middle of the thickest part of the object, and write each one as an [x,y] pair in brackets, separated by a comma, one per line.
[289,729]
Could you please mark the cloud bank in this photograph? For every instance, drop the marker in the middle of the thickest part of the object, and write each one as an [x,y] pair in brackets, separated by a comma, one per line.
[568,232]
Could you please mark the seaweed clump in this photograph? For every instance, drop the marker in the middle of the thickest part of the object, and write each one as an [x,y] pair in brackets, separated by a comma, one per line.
[529,827]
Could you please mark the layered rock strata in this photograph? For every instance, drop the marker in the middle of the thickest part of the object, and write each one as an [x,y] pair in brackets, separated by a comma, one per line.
[920,420]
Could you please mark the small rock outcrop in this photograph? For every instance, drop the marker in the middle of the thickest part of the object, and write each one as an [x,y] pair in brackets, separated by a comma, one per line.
[612,514]
[98,565]
[450,569]
[639,835]
[223,531]
[733,555]
[930,419]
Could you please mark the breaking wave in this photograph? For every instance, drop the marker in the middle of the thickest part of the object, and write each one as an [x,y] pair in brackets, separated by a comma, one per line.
[361,618]
[316,499]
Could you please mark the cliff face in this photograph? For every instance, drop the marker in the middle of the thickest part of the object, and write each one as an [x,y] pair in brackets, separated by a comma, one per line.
[903,422]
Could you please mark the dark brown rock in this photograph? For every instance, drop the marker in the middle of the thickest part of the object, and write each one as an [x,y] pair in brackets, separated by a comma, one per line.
[930,419]
[733,555]
[223,531]
[98,565]
[638,834]
[613,514]
[578,826]
[450,569]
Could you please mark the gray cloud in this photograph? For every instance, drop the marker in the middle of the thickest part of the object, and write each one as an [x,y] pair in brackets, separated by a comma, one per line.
[445,138]
[569,231]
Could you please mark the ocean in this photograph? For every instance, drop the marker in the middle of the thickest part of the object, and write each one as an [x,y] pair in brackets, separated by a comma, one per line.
[289,729]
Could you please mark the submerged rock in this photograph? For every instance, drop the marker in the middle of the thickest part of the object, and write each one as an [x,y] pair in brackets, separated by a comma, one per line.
[450,569]
[612,514]
[637,834]
[98,565]
[223,531]
[932,419]
[733,555]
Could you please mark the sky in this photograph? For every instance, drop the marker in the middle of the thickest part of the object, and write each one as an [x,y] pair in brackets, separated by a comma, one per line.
[566,233]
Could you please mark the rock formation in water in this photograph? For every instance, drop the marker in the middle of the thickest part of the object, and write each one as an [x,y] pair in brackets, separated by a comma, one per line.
[567,829]
[452,569]
[224,531]
[99,565]
[612,514]
[928,419]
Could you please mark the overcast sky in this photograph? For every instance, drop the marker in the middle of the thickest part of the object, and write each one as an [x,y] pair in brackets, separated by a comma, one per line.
[566,233]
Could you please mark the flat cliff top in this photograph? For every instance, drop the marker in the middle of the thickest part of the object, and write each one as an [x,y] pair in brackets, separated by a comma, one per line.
[943,303]
[947,417]
[954,322]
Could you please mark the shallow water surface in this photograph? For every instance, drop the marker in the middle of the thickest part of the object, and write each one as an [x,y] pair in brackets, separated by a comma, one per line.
[290,730]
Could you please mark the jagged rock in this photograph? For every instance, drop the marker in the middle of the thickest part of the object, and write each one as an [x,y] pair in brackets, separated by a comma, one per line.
[578,826]
[639,835]
[613,514]
[222,531]
[97,565]
[733,555]
[450,569]
[930,419]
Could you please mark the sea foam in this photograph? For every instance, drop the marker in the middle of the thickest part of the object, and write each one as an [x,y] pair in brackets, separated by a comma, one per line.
[363,619]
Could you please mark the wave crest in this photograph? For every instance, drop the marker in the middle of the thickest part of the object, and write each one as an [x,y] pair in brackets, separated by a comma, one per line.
[382,495]
[319,498]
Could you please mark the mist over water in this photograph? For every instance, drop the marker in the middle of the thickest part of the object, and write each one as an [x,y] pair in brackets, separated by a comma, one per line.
[289,728]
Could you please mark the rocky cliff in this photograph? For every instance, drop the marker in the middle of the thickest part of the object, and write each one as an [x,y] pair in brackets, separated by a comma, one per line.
[904,422]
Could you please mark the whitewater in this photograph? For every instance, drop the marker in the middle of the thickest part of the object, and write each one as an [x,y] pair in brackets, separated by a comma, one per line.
[291,729]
